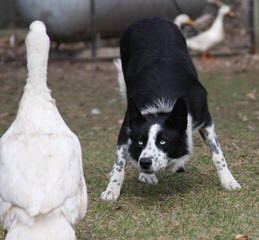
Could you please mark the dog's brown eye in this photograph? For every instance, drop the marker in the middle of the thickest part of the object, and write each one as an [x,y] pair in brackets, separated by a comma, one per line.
[140,142]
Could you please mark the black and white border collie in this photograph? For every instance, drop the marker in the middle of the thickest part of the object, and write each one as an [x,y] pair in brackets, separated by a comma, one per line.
[166,103]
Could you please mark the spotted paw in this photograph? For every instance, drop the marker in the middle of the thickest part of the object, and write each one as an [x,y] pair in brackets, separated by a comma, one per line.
[109,195]
[231,185]
[148,178]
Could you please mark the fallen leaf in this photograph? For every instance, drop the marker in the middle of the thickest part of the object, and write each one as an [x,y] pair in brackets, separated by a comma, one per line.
[241,237]
[243,118]
[251,96]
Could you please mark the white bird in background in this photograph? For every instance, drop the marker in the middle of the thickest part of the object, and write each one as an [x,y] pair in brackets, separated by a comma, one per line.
[186,25]
[207,40]
[182,19]
[42,186]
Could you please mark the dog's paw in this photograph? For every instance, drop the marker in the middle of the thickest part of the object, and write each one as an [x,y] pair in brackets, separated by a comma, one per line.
[110,195]
[148,178]
[231,185]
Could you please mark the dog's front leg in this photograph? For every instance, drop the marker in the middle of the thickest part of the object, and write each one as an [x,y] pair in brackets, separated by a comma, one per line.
[227,180]
[113,189]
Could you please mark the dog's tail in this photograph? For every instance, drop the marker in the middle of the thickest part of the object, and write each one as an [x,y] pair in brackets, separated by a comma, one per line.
[120,78]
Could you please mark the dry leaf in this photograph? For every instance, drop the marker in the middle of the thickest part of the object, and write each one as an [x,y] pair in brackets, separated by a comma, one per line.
[243,118]
[251,96]
[241,237]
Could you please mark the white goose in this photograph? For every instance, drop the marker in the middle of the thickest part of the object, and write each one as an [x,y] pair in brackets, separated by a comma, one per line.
[42,186]
[205,41]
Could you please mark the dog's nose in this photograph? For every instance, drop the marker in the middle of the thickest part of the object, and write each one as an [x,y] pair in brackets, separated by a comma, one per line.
[145,163]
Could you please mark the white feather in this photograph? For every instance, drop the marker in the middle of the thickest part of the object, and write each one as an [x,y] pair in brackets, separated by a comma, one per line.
[42,185]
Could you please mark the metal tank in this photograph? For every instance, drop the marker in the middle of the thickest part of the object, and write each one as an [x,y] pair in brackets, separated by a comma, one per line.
[70,19]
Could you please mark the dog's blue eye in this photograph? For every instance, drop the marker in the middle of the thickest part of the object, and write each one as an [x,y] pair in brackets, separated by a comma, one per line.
[140,142]
[162,142]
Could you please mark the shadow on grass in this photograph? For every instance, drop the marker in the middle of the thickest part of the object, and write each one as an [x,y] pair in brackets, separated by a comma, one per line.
[170,185]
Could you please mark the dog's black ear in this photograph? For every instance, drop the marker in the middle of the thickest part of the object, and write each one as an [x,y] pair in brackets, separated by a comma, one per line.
[178,116]
[134,115]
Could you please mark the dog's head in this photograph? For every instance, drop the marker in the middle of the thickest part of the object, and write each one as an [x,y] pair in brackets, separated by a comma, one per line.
[157,139]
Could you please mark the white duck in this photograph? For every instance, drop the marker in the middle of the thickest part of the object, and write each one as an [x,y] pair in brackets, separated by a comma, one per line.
[185,24]
[182,19]
[42,186]
[205,41]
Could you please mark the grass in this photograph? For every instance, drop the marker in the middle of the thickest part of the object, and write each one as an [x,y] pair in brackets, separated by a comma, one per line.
[184,206]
